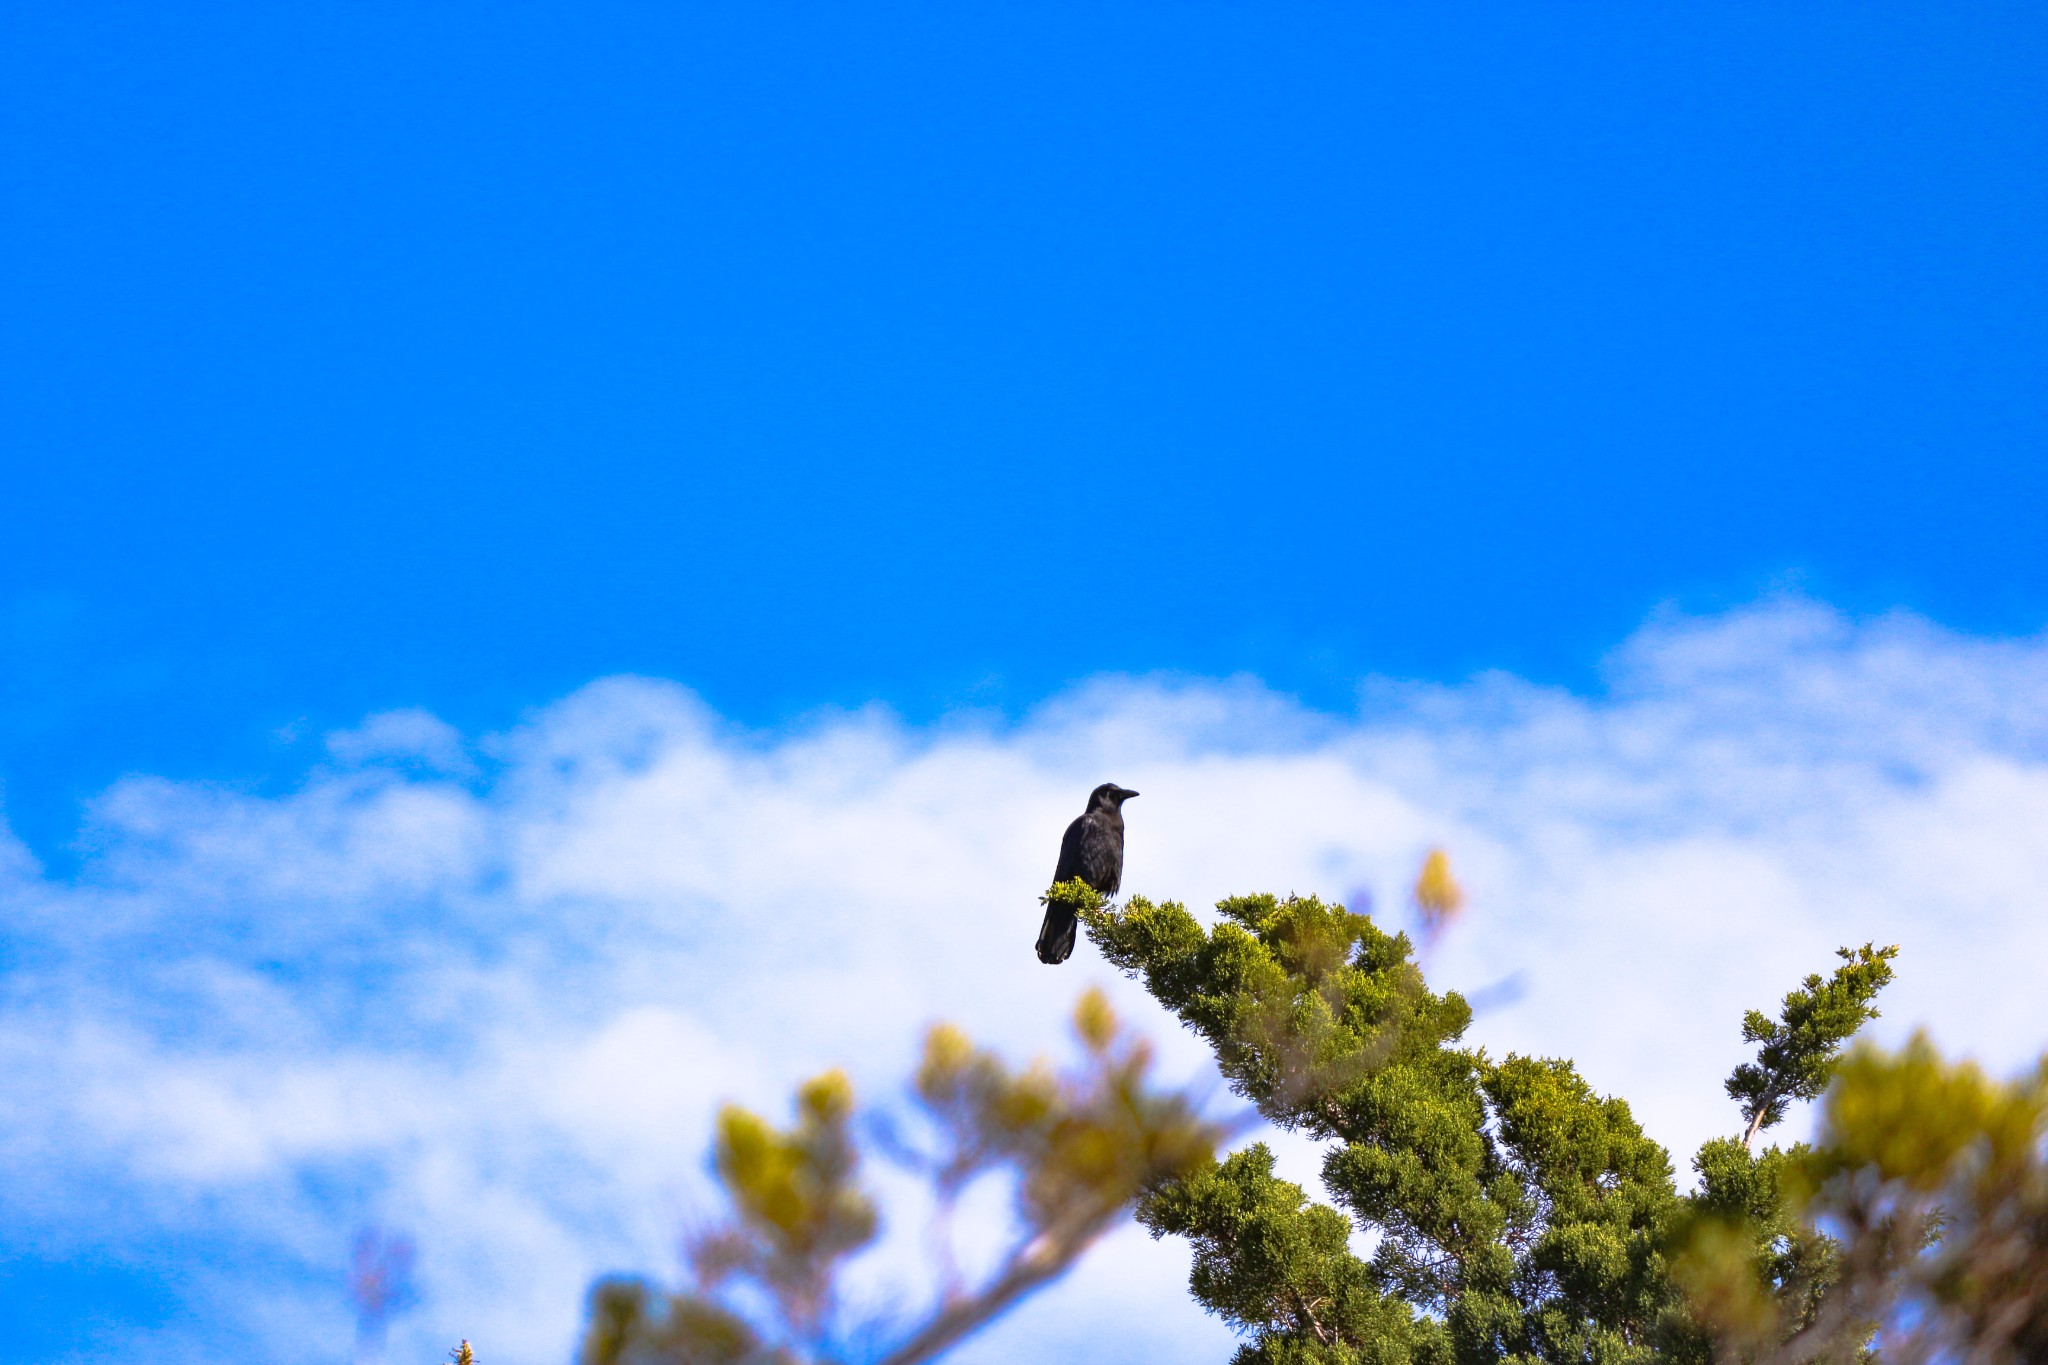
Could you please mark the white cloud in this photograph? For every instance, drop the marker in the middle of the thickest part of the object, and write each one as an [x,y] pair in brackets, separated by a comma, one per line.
[497,1010]
[405,736]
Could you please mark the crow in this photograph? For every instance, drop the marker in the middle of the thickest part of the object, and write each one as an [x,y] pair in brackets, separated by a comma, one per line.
[1092,850]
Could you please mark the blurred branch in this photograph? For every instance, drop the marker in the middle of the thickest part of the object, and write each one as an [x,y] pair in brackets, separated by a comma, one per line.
[1083,1147]
[1040,1261]
[379,1284]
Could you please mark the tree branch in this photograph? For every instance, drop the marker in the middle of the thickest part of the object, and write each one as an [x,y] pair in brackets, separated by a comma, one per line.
[1044,1258]
[1763,1114]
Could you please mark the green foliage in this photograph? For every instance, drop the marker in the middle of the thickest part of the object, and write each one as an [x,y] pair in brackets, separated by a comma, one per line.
[1081,1147]
[1758,1272]
[1297,998]
[1514,1215]
[1519,1215]
[1279,1268]
[1800,1048]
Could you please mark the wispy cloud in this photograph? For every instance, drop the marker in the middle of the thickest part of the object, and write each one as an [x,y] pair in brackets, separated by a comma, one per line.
[488,991]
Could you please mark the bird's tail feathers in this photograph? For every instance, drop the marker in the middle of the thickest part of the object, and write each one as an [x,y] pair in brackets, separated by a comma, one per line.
[1056,936]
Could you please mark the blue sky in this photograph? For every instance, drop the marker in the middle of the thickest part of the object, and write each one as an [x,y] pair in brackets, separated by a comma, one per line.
[438,361]
[367,356]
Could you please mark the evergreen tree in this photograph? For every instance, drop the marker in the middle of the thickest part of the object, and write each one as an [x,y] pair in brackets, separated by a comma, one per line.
[1758,1268]
[1518,1216]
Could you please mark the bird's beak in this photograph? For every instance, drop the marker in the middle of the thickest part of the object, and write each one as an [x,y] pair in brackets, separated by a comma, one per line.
[1126,794]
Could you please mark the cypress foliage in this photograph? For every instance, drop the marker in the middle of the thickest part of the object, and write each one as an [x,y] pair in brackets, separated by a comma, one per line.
[1518,1216]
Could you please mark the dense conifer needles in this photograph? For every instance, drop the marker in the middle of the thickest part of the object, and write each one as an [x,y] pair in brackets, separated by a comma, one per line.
[1518,1215]
[1800,1048]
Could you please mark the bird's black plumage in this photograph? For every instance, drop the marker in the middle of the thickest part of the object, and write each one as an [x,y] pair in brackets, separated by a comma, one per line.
[1093,850]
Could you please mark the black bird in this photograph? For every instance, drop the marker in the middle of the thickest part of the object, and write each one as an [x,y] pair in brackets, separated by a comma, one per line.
[1092,850]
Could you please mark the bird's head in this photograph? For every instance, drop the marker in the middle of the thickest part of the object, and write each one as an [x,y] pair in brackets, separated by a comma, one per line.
[1109,796]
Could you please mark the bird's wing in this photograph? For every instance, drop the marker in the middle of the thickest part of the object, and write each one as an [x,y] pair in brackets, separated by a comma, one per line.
[1071,857]
[1102,854]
